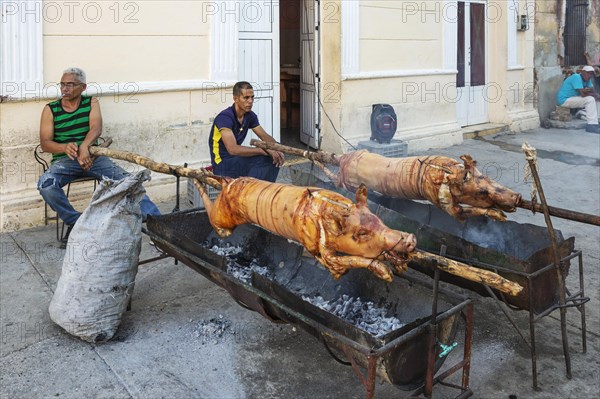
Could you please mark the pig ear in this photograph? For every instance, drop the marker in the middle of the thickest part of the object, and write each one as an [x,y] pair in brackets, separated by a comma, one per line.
[470,163]
[361,195]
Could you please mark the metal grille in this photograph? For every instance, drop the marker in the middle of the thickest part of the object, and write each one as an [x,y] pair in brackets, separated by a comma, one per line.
[574,34]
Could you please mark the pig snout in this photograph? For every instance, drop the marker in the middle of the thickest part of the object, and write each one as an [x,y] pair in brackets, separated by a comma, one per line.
[507,200]
[402,243]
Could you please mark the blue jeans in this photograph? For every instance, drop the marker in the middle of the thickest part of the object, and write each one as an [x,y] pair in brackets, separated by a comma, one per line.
[260,167]
[64,170]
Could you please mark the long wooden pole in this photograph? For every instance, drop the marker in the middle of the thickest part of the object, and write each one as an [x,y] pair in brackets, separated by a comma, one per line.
[321,156]
[467,272]
[456,268]
[160,167]
[332,159]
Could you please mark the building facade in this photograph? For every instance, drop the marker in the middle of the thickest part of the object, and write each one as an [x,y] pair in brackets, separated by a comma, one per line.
[163,70]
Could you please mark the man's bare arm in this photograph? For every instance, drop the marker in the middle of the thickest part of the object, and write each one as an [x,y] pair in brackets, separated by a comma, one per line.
[90,138]
[234,148]
[47,137]
[588,91]
[278,157]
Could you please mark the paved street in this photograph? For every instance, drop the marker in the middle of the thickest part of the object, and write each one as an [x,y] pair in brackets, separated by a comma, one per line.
[162,350]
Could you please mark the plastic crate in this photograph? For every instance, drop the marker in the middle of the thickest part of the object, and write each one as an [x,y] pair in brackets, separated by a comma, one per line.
[395,149]
[194,198]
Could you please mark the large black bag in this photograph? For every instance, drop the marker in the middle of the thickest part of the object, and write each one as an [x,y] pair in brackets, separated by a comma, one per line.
[101,261]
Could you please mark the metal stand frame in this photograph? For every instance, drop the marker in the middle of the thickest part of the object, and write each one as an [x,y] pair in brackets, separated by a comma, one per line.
[576,299]
[464,308]
[368,380]
[466,312]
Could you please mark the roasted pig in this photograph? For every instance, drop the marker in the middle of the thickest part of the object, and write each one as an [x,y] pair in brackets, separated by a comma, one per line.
[459,189]
[339,233]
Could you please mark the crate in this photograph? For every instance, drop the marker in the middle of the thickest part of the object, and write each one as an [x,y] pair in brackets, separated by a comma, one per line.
[193,195]
[395,149]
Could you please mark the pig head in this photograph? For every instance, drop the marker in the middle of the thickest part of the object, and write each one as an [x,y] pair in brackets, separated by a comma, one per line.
[458,188]
[465,184]
[339,233]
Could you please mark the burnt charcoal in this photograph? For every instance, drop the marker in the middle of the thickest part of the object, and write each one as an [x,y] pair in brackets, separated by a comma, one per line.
[244,272]
[364,315]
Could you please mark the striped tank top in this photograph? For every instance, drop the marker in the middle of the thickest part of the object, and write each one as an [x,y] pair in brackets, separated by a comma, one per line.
[70,126]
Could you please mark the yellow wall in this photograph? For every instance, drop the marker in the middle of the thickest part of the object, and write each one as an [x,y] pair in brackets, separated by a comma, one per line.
[154,46]
[402,47]
[128,41]
[134,45]
[400,35]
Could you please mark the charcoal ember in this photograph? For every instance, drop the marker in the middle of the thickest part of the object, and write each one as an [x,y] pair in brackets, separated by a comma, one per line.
[363,314]
[228,250]
[239,262]
[244,273]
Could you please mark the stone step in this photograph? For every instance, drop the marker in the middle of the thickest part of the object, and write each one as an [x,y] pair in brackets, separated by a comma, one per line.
[483,129]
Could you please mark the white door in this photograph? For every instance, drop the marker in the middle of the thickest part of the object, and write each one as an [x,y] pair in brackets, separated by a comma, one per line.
[471,106]
[258,60]
[309,106]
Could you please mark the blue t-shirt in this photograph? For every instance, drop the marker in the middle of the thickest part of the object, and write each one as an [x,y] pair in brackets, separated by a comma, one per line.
[570,87]
[228,119]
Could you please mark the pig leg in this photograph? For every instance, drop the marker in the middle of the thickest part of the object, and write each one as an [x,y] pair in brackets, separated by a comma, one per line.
[469,211]
[208,205]
[447,202]
[205,198]
[339,265]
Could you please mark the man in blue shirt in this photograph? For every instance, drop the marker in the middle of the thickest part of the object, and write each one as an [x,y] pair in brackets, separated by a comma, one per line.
[227,154]
[577,91]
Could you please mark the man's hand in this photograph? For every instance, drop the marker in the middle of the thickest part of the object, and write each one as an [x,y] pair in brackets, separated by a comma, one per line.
[84,159]
[71,150]
[278,157]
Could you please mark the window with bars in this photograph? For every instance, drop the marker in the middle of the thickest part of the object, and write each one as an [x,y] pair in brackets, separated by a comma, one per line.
[574,33]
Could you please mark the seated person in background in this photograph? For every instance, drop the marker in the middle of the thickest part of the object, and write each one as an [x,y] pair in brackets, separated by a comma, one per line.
[227,154]
[577,91]
[68,127]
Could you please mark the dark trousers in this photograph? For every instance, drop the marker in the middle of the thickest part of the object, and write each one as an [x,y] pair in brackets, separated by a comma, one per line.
[260,167]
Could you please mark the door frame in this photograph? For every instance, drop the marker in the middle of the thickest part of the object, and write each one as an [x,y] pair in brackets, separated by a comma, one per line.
[471,105]
[267,90]
[310,111]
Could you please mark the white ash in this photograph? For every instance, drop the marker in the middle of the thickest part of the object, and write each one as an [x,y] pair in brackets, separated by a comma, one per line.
[244,273]
[213,330]
[237,265]
[226,249]
[364,315]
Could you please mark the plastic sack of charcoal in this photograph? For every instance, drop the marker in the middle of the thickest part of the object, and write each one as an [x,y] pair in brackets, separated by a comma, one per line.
[101,261]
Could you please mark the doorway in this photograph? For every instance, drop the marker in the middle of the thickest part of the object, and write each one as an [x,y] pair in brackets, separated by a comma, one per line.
[471,79]
[298,68]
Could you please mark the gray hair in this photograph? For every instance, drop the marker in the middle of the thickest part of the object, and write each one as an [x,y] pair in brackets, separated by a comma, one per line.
[78,72]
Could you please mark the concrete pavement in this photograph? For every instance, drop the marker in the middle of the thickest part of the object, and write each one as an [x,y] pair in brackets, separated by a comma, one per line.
[186,337]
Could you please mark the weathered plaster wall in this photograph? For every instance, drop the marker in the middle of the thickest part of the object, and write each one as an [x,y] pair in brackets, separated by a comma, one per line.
[146,62]
[331,72]
[169,127]
[593,32]
[549,49]
[547,52]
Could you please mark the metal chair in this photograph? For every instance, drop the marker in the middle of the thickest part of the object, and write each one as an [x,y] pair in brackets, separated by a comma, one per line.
[60,225]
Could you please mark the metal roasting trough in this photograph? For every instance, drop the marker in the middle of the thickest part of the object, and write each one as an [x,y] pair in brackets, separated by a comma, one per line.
[519,252]
[270,275]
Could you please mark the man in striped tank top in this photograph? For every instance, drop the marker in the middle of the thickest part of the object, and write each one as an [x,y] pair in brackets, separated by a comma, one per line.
[67,129]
